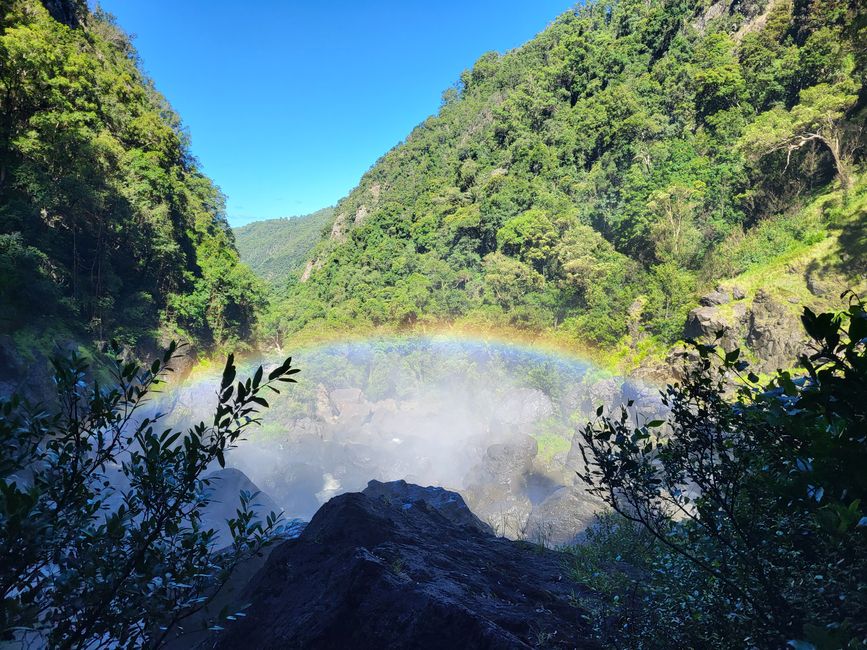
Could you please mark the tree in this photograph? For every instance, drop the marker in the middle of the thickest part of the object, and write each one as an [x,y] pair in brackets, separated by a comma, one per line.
[674,235]
[508,281]
[530,237]
[755,501]
[100,507]
[819,118]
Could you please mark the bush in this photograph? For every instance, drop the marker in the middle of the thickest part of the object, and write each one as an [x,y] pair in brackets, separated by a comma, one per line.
[100,508]
[752,502]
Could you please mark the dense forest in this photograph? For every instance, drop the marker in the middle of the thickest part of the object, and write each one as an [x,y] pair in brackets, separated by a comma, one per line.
[107,226]
[596,181]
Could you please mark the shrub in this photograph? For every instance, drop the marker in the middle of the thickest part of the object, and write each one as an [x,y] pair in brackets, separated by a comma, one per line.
[753,502]
[100,507]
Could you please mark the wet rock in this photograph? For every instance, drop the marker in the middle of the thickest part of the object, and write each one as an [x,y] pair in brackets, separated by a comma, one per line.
[370,573]
[524,406]
[603,391]
[563,517]
[29,375]
[352,409]
[497,487]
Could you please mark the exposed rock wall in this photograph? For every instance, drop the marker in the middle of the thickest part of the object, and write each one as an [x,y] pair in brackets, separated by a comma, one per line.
[769,328]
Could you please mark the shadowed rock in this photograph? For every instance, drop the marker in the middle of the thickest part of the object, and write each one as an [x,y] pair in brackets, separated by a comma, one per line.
[393,568]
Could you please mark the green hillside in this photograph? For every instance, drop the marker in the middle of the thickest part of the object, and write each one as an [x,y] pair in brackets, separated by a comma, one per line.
[277,248]
[596,181]
[107,226]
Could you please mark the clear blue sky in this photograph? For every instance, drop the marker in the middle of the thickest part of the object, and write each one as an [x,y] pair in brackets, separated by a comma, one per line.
[288,103]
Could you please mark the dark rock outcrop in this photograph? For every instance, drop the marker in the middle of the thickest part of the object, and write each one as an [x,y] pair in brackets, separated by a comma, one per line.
[449,504]
[767,326]
[393,568]
[775,333]
[68,12]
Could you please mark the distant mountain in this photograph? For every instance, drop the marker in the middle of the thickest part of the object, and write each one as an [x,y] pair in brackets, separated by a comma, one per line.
[277,248]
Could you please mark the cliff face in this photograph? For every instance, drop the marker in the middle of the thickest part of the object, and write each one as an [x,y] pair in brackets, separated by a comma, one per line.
[68,12]
[399,566]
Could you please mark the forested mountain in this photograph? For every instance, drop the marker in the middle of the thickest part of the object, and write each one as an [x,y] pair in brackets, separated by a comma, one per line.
[277,248]
[596,181]
[107,226]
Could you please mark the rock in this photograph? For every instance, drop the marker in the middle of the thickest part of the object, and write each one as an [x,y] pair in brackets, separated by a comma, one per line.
[821,283]
[717,297]
[524,406]
[68,12]
[28,371]
[603,391]
[497,487]
[775,333]
[372,573]
[704,323]
[449,504]
[563,517]
[225,492]
[738,293]
[353,409]
[338,228]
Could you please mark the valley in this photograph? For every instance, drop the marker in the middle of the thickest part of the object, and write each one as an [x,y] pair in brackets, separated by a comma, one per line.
[579,362]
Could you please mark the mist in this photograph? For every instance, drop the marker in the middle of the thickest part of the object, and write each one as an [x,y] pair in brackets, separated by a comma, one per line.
[492,421]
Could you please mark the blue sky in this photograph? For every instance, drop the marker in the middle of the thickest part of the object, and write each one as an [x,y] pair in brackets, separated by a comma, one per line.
[288,103]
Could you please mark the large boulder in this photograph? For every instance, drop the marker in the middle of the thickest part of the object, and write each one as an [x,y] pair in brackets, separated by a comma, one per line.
[496,488]
[775,335]
[706,322]
[376,572]
[449,504]
[562,518]
[718,297]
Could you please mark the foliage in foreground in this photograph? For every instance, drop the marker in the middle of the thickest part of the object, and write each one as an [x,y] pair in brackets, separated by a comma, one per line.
[100,508]
[739,522]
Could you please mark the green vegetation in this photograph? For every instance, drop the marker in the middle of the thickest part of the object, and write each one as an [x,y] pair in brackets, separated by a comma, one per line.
[107,227]
[278,248]
[101,508]
[593,183]
[741,521]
